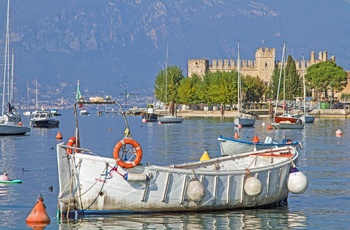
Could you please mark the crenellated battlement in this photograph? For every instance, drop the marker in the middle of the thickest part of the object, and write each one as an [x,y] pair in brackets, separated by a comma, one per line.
[262,67]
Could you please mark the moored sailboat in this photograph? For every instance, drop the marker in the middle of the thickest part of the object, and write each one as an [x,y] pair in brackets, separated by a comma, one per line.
[10,121]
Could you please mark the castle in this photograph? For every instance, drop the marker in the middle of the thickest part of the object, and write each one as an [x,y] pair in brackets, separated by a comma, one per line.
[262,67]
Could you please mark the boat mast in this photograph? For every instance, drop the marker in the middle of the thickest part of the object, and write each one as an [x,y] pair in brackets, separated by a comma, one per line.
[239,80]
[11,90]
[279,80]
[36,96]
[7,45]
[304,86]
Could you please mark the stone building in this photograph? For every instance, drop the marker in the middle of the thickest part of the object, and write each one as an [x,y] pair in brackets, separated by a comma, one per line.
[262,67]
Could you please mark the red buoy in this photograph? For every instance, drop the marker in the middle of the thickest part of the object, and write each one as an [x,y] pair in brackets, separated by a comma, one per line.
[59,135]
[255,139]
[38,215]
[269,127]
[236,136]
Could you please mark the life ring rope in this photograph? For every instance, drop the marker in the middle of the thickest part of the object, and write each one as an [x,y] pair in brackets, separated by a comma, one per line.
[134,152]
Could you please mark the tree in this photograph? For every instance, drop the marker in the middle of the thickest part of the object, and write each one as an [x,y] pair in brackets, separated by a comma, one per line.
[167,83]
[273,86]
[292,80]
[188,90]
[325,76]
[254,88]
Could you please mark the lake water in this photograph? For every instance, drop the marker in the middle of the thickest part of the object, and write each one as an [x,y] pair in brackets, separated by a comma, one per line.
[325,160]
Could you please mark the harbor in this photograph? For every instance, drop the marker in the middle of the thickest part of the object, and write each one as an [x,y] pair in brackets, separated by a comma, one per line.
[36,168]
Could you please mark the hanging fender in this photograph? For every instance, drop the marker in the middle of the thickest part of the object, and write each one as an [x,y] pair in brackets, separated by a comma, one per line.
[127,164]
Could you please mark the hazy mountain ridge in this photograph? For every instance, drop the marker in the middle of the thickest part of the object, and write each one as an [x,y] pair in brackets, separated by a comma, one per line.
[116,45]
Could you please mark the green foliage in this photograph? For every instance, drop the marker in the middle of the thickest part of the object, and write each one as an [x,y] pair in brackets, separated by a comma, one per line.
[292,80]
[188,90]
[253,88]
[273,86]
[167,83]
[289,78]
[326,76]
[345,97]
[221,87]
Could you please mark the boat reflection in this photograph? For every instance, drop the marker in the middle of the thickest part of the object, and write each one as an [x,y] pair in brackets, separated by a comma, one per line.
[279,217]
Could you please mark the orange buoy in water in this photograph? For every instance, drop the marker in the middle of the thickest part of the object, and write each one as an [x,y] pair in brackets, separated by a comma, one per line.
[269,127]
[59,135]
[236,136]
[255,139]
[338,133]
[38,215]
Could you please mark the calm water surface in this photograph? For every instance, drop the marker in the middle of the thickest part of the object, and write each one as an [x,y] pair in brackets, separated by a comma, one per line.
[325,160]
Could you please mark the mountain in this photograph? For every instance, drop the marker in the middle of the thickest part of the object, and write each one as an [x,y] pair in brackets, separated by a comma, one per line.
[113,46]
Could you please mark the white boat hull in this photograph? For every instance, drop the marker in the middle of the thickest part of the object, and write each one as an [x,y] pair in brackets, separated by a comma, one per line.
[244,121]
[170,119]
[282,125]
[10,128]
[307,118]
[229,146]
[97,185]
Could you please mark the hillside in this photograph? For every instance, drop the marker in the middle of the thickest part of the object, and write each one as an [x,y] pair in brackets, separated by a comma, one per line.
[112,46]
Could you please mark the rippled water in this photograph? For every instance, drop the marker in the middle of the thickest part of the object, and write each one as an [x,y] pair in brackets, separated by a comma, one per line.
[324,160]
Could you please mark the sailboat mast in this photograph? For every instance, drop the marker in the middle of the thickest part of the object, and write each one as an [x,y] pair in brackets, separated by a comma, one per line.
[239,79]
[7,41]
[279,80]
[166,74]
[12,78]
[304,85]
[36,95]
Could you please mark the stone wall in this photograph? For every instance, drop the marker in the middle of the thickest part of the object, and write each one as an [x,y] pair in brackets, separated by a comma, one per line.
[262,67]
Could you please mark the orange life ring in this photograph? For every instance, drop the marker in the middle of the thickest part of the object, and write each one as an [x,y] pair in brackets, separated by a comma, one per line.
[72,143]
[128,164]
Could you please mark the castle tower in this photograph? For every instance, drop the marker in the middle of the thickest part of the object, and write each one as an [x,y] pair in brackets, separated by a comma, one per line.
[265,63]
[197,66]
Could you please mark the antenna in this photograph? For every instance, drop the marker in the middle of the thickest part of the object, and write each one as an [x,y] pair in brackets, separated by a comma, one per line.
[126,96]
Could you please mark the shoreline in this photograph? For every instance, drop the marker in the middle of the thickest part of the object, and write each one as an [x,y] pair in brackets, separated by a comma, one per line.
[318,113]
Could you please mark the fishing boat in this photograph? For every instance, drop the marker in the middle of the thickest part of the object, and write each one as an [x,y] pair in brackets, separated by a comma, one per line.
[54,112]
[10,119]
[149,115]
[84,112]
[236,145]
[288,125]
[242,120]
[91,183]
[43,119]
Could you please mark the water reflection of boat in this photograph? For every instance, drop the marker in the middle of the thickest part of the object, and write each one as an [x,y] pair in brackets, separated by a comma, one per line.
[279,217]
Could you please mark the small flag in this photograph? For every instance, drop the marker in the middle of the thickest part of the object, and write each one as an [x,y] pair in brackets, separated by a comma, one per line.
[78,95]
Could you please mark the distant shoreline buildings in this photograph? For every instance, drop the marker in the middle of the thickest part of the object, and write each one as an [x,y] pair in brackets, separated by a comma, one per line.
[262,67]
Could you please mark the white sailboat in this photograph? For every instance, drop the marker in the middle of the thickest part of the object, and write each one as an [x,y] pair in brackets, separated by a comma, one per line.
[306,118]
[169,118]
[10,122]
[286,116]
[286,120]
[242,120]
